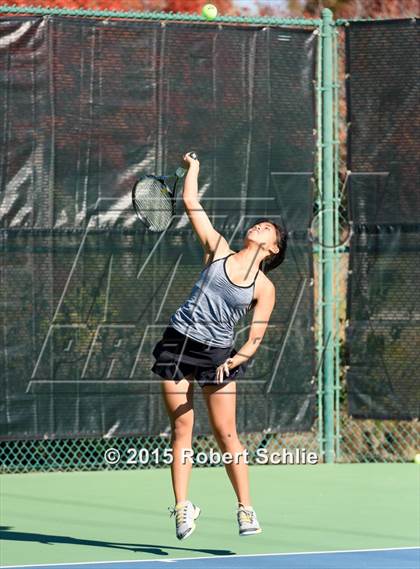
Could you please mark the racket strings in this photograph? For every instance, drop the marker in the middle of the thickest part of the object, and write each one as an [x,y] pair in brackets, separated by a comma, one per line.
[153,203]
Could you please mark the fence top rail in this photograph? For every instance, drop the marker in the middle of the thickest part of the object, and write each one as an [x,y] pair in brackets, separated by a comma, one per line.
[343,22]
[184,17]
[168,16]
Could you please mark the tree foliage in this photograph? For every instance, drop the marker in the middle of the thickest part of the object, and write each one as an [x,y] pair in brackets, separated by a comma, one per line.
[354,8]
[225,7]
[289,8]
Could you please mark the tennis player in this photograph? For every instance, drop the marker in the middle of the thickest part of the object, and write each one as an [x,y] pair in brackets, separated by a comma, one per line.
[198,343]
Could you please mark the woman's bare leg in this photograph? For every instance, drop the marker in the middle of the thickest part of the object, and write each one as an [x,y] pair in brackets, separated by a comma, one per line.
[221,405]
[178,397]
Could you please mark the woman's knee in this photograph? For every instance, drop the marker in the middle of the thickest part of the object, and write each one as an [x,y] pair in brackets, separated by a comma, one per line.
[226,436]
[182,426]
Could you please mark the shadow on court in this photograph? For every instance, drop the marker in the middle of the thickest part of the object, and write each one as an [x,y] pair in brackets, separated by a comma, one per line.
[7,533]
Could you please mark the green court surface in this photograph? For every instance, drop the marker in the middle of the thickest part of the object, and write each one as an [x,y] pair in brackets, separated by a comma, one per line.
[122,515]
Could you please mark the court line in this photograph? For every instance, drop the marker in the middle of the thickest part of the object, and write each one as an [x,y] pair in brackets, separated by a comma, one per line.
[175,559]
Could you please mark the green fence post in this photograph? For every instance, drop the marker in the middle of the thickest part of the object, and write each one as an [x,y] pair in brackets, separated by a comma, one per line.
[318,249]
[327,240]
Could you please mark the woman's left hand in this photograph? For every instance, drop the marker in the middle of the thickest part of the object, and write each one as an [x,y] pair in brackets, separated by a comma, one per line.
[223,369]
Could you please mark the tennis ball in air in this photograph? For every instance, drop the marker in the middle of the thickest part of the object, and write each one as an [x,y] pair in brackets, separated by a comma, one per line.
[417,458]
[209,11]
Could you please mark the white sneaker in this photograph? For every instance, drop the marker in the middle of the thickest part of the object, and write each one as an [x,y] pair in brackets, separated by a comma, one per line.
[247,521]
[185,514]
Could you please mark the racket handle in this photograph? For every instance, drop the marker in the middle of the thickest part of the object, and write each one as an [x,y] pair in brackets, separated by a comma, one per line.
[182,171]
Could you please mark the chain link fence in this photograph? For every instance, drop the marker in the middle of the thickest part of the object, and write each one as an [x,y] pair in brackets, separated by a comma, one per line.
[360,441]
[132,453]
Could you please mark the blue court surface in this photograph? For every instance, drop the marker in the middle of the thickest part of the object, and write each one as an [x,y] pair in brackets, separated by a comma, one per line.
[401,558]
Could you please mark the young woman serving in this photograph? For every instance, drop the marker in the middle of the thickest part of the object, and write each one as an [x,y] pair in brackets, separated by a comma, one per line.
[198,343]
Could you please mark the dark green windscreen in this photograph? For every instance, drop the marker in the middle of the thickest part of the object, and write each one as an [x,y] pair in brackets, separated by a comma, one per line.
[87,106]
[383,338]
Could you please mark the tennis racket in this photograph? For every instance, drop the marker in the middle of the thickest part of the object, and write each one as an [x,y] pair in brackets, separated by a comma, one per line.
[154,200]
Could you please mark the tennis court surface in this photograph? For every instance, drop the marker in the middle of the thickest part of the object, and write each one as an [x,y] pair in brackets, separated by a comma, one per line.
[343,516]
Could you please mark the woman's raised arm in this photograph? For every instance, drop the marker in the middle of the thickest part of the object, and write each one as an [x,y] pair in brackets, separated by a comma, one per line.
[210,239]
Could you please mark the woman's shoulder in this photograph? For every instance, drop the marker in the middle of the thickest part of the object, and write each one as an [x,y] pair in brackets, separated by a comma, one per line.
[263,284]
[223,253]
[220,253]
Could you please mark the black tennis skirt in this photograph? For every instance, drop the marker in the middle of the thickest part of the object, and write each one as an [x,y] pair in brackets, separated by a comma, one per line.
[178,355]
